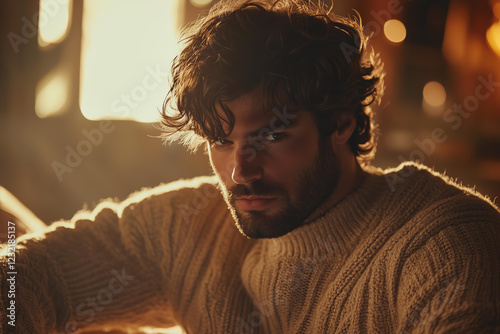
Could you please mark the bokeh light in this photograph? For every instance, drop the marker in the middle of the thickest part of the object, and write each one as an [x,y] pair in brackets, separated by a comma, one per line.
[51,95]
[395,31]
[54,21]
[434,94]
[493,37]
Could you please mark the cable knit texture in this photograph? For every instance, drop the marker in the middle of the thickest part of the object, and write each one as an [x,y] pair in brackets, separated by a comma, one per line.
[408,251]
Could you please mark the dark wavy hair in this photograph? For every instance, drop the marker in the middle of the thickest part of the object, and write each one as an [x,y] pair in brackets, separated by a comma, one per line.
[319,59]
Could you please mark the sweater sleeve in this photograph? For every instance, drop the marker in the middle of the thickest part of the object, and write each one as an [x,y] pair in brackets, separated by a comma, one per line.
[450,282]
[104,269]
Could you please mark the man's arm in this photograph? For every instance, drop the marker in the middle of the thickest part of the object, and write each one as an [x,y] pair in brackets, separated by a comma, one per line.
[101,269]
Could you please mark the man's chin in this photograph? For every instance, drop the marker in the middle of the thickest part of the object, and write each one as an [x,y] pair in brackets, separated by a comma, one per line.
[255,225]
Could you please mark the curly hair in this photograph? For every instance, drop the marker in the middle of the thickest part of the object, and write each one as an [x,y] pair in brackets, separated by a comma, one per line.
[319,59]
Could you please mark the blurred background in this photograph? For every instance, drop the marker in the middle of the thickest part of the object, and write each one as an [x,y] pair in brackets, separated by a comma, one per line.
[82,81]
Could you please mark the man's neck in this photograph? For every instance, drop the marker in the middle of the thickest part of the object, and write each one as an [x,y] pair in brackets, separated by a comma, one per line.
[350,177]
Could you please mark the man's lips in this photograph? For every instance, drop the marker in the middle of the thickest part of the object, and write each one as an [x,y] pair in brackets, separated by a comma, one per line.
[255,203]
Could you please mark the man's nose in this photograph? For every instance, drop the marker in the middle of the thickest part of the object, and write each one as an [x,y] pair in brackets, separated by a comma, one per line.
[246,168]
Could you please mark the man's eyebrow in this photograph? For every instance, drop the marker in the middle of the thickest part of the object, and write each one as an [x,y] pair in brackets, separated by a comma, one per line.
[275,124]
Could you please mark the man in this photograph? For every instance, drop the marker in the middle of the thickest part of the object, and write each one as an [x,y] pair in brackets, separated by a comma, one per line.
[279,94]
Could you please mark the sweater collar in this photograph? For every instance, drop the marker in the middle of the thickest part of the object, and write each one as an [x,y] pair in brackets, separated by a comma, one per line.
[334,228]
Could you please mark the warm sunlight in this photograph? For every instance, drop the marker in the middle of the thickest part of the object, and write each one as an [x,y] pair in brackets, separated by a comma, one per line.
[54,21]
[127,50]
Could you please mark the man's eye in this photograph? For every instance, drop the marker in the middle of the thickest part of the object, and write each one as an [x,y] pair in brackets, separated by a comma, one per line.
[273,137]
[220,142]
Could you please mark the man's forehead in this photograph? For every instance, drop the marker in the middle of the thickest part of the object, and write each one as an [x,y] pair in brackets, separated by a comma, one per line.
[255,106]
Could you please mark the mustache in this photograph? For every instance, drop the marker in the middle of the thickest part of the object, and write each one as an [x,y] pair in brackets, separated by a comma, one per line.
[257,188]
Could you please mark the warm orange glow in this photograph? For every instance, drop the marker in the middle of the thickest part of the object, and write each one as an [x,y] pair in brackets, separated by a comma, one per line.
[496,9]
[493,37]
[54,21]
[127,49]
[434,96]
[489,170]
[395,31]
[455,33]
[399,140]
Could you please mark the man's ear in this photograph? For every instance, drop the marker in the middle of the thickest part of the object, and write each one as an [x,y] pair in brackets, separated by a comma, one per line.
[346,126]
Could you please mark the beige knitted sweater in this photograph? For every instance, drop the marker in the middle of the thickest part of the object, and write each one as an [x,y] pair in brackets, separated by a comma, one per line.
[407,252]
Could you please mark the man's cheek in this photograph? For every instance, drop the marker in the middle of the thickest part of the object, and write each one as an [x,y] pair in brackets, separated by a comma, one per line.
[223,170]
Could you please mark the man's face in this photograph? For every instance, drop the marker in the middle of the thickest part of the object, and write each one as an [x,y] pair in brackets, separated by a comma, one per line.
[273,168]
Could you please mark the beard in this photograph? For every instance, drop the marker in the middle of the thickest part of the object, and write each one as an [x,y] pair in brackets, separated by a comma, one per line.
[312,186]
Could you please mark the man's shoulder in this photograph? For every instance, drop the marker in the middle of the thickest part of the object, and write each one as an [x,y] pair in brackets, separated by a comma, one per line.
[183,197]
[182,188]
[432,226]
[436,207]
[187,197]
[419,183]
